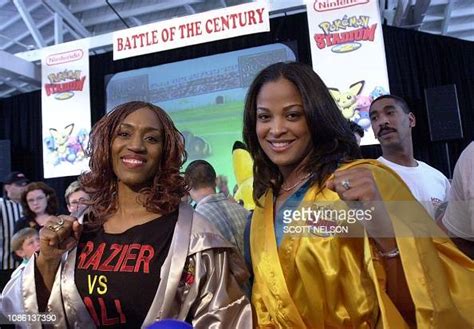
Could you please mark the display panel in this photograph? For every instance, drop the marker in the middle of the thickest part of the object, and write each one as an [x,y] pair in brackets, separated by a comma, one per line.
[204,97]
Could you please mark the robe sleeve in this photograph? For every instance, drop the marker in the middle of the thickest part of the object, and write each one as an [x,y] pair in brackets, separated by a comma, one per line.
[214,298]
[439,276]
[19,297]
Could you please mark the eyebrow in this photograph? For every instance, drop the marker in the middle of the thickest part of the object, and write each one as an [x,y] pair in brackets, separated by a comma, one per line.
[127,125]
[385,108]
[286,108]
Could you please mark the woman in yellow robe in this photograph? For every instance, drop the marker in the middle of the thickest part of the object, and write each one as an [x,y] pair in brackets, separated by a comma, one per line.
[392,269]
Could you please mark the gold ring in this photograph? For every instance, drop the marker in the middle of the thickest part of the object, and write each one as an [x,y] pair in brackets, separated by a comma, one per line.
[56,227]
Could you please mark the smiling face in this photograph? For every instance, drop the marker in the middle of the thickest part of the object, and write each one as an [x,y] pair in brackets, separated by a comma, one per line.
[391,124]
[137,148]
[282,128]
[37,202]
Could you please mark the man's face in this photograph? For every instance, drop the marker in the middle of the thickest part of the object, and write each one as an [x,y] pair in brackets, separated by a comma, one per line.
[15,190]
[391,125]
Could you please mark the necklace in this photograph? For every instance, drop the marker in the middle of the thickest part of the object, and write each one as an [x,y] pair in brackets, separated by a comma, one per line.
[301,180]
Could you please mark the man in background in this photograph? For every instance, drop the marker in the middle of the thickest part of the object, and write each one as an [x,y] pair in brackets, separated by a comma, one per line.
[10,212]
[228,216]
[392,123]
[459,216]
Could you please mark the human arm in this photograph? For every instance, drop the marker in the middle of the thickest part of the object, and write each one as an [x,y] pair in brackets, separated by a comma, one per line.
[363,192]
[465,245]
[59,235]
[458,219]
[423,250]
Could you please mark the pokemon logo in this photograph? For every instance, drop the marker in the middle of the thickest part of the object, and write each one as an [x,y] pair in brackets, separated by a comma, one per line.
[336,34]
[344,23]
[62,84]
[64,75]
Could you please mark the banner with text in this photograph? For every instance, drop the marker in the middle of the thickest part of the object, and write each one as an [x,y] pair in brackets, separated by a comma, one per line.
[348,53]
[66,112]
[190,30]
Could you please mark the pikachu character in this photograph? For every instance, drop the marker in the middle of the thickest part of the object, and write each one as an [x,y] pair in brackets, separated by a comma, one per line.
[243,171]
[347,100]
[61,138]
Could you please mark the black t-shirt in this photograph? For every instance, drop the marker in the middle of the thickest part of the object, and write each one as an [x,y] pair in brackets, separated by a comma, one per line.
[117,275]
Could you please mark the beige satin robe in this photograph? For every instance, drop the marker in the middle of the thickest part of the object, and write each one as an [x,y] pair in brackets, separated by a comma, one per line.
[213,300]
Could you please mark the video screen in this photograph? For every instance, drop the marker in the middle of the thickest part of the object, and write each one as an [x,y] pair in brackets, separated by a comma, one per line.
[204,97]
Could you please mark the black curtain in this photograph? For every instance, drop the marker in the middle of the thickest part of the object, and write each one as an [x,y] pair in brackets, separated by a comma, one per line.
[20,122]
[415,61]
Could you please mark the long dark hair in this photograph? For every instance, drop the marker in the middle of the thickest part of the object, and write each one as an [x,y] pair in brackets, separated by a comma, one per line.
[168,185]
[332,138]
[51,198]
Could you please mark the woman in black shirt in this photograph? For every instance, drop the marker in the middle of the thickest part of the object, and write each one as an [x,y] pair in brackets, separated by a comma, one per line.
[142,255]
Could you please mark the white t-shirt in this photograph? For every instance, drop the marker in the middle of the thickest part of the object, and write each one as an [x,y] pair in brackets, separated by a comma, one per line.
[459,216]
[427,184]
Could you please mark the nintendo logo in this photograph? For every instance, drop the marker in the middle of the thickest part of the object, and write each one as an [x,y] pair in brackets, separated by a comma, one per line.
[66,57]
[327,5]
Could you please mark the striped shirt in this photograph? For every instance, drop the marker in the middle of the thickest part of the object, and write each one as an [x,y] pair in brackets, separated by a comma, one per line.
[10,212]
[228,216]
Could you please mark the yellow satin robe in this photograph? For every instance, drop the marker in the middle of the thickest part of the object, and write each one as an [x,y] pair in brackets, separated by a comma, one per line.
[337,282]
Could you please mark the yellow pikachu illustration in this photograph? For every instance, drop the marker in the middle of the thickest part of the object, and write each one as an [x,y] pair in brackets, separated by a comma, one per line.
[347,100]
[61,137]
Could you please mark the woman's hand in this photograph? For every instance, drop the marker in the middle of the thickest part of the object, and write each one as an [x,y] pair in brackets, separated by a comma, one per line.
[58,236]
[358,185]
[355,184]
